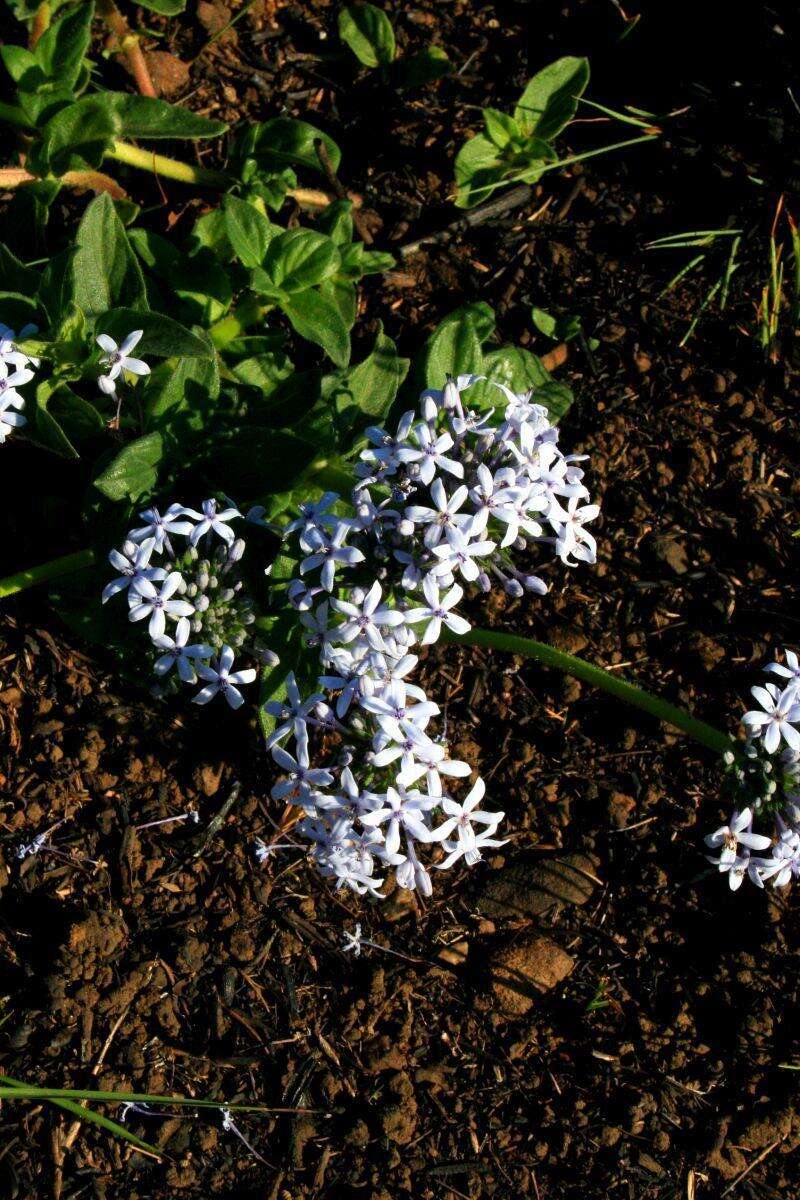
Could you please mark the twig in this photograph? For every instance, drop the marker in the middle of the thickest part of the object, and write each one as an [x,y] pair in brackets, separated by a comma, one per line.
[218,820]
[129,46]
[338,187]
[485,212]
[753,1164]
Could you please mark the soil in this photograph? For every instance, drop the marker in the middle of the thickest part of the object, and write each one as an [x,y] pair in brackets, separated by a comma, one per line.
[591,1012]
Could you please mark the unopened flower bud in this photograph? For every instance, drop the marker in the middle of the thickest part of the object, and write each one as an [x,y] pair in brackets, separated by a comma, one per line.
[236,551]
[514,588]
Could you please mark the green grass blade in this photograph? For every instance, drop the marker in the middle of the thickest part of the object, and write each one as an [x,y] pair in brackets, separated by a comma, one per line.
[25,1091]
[86,1114]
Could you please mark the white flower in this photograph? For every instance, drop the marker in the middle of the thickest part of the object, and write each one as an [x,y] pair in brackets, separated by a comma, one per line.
[222,679]
[367,619]
[209,520]
[177,654]
[9,396]
[352,941]
[159,528]
[401,811]
[147,601]
[117,359]
[10,419]
[458,553]
[303,779]
[739,832]
[430,454]
[467,842]
[785,862]
[292,712]
[328,553]
[781,711]
[10,352]
[790,670]
[133,564]
[437,611]
[443,515]
[572,539]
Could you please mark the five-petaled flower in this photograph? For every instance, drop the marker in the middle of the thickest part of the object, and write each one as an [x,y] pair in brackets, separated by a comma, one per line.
[117,359]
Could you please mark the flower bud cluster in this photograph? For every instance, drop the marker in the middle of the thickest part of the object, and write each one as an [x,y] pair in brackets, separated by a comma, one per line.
[180,572]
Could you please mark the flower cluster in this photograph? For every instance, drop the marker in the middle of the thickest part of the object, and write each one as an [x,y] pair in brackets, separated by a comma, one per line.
[764,780]
[441,503]
[179,573]
[385,797]
[15,372]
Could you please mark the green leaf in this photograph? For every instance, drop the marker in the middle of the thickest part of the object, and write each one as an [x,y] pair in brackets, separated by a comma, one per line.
[369,34]
[106,271]
[167,8]
[520,371]
[262,461]
[163,337]
[15,276]
[85,128]
[375,262]
[181,400]
[500,127]
[319,321]
[343,296]
[62,48]
[248,230]
[426,66]
[18,309]
[367,391]
[478,165]
[285,142]
[337,221]
[550,99]
[300,258]
[23,67]
[61,418]
[134,471]
[144,117]
[56,292]
[264,371]
[454,349]
[558,328]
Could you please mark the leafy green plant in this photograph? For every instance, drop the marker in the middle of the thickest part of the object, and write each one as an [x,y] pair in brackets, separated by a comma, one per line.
[368,32]
[519,147]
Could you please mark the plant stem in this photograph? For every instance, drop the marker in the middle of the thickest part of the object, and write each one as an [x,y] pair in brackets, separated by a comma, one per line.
[707,735]
[65,565]
[168,168]
[128,44]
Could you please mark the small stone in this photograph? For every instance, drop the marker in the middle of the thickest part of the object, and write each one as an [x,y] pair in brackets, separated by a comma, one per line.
[168,73]
[524,969]
[672,552]
[455,954]
[528,888]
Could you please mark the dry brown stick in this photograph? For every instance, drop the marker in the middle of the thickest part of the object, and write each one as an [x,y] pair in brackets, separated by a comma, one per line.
[333,179]
[753,1164]
[129,46]
[478,216]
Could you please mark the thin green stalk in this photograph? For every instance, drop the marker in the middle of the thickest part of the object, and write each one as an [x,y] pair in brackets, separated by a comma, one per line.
[67,564]
[24,1091]
[564,162]
[707,735]
[167,168]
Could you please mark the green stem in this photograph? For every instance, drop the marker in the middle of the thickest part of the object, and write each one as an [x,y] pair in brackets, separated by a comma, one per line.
[707,735]
[65,565]
[168,168]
